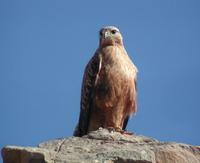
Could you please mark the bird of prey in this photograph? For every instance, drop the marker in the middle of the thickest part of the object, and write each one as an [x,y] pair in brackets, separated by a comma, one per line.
[108,94]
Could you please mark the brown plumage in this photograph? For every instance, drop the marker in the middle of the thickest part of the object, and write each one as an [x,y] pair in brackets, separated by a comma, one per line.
[108,95]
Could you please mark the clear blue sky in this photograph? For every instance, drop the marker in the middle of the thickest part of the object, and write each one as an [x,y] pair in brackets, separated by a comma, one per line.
[45,45]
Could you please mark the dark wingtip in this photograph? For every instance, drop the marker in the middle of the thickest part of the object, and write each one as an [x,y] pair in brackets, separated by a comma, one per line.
[125,123]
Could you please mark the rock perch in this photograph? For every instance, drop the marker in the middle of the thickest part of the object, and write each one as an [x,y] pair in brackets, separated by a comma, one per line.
[102,146]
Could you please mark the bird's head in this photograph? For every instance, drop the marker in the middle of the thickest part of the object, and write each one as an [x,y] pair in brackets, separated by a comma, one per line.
[110,35]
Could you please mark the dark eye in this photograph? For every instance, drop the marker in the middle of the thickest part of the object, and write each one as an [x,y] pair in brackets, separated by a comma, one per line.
[101,33]
[113,31]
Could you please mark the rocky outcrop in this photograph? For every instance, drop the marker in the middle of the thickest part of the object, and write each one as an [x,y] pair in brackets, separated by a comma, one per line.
[103,146]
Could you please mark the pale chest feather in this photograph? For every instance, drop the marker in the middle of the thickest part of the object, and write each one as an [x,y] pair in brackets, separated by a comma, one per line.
[116,62]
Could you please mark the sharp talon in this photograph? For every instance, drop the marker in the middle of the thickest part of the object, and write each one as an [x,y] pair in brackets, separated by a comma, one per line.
[126,132]
[111,129]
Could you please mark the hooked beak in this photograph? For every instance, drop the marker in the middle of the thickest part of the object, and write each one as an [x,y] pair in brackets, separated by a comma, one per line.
[107,34]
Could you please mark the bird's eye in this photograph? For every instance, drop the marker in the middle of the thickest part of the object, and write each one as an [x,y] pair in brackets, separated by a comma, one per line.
[113,31]
[101,33]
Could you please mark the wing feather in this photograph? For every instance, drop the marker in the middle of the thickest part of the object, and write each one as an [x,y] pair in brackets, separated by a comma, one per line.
[89,78]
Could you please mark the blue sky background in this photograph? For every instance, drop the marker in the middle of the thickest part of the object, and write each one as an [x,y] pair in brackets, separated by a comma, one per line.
[45,45]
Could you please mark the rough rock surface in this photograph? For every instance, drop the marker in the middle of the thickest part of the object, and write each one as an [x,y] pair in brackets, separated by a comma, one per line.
[103,146]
